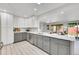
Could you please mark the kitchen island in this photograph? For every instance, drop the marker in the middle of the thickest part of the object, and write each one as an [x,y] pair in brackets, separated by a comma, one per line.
[53,44]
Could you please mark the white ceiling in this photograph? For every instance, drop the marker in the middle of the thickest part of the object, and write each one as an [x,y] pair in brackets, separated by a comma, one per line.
[19,9]
[68,12]
[27,9]
[45,7]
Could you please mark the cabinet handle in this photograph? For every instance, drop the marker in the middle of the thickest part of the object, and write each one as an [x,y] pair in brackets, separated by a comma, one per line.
[1,45]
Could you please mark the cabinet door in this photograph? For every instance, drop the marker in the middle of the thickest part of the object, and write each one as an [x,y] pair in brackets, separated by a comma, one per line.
[39,41]
[10,35]
[28,22]
[63,50]
[35,40]
[31,38]
[53,46]
[28,36]
[9,21]
[17,37]
[20,22]
[4,37]
[63,47]
[46,44]
[7,28]
[3,19]
[20,37]
[24,36]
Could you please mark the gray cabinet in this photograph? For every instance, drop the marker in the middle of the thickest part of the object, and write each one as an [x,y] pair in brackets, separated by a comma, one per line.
[28,37]
[20,37]
[31,38]
[35,39]
[59,47]
[24,36]
[63,50]
[63,47]
[17,37]
[46,44]
[39,41]
[53,46]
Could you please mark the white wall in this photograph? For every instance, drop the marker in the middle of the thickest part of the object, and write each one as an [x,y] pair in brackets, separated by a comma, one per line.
[7,35]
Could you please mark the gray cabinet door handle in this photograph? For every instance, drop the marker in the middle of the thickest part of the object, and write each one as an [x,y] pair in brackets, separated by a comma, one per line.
[1,45]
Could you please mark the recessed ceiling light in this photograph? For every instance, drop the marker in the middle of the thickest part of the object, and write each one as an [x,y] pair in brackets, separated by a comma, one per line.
[3,10]
[62,12]
[38,3]
[35,9]
[25,16]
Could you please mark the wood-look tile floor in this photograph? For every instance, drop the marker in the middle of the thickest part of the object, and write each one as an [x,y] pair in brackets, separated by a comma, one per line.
[21,48]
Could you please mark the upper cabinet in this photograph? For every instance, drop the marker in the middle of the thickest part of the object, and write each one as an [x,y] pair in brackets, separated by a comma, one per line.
[25,22]
[6,20]
[18,22]
[7,36]
[31,22]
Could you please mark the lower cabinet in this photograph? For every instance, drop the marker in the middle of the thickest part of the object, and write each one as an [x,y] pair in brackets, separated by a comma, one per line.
[31,38]
[63,47]
[24,36]
[63,50]
[53,46]
[59,47]
[35,39]
[17,37]
[39,41]
[28,36]
[46,44]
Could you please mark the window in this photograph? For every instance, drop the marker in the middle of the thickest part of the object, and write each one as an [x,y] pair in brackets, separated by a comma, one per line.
[72,29]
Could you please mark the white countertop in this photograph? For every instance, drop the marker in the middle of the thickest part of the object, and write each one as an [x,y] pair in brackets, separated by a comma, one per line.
[64,37]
